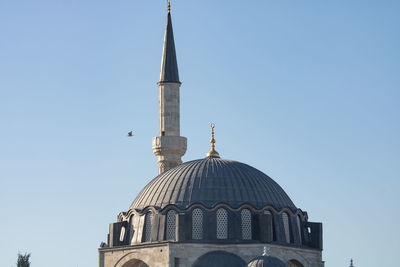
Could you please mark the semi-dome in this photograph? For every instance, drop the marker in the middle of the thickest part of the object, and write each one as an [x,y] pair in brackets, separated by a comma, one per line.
[211,181]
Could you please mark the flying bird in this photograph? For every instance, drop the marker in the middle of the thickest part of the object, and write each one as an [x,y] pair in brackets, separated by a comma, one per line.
[130,134]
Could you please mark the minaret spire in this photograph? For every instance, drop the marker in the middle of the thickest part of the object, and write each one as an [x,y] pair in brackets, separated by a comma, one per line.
[169,146]
[169,64]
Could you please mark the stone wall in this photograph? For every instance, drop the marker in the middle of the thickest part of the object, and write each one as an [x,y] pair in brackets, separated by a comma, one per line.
[152,255]
[185,254]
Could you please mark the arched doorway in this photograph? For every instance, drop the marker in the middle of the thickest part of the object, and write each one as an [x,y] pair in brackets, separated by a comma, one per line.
[294,263]
[219,259]
[135,263]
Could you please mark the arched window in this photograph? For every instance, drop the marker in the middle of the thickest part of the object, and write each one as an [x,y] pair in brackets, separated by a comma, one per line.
[268,212]
[222,224]
[246,224]
[285,219]
[197,224]
[171,225]
[147,226]
[299,226]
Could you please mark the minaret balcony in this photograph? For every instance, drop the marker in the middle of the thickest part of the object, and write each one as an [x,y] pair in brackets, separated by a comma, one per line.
[169,145]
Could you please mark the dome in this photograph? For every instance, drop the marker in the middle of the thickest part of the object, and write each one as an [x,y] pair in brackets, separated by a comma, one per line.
[211,181]
[266,261]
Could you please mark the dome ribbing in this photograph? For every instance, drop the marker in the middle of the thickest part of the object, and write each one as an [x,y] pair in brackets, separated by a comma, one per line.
[211,181]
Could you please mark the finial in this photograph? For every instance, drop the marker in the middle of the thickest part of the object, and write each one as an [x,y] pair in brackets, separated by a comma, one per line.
[351,263]
[169,6]
[266,251]
[212,152]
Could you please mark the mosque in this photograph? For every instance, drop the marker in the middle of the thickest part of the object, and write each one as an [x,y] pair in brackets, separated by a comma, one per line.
[207,212]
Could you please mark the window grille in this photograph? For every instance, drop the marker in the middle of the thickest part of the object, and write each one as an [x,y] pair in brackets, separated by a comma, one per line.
[299,226]
[197,224]
[171,225]
[285,219]
[246,223]
[222,224]
[147,226]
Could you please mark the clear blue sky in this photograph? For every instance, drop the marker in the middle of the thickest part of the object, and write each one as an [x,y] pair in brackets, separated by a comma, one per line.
[306,91]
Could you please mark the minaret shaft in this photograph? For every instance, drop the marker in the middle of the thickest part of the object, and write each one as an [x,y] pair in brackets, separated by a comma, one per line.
[169,146]
[169,113]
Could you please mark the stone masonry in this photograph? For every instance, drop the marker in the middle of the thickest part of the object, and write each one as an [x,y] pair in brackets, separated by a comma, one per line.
[185,254]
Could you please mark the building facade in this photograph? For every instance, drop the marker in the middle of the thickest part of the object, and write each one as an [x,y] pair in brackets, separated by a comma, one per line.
[206,212]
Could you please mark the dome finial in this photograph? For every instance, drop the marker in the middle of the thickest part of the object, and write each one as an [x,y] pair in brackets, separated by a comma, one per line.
[266,251]
[169,6]
[212,152]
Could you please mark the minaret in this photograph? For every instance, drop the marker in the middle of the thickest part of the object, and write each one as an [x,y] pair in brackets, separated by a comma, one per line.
[169,146]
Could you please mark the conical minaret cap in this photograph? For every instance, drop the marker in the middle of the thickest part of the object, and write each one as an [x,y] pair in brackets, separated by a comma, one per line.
[169,64]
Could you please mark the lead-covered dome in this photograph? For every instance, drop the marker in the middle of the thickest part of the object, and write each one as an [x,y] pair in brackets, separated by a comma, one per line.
[210,181]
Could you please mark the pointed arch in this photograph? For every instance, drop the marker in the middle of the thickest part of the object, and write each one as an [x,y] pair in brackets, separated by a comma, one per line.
[135,263]
[131,260]
[294,263]
[219,258]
